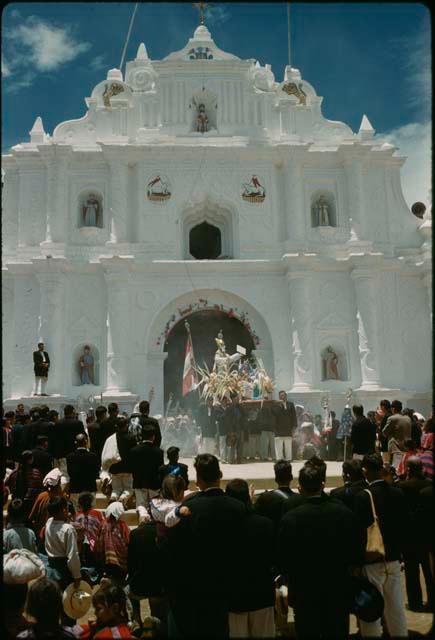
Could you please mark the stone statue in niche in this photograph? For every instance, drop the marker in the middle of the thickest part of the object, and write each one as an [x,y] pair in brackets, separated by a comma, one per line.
[322,213]
[201,120]
[330,364]
[109,91]
[86,364]
[91,211]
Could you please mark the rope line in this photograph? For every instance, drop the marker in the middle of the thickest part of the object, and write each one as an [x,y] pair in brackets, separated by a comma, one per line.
[288,35]
[128,36]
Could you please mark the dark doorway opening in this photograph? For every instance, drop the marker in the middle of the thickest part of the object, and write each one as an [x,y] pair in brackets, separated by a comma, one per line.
[204,328]
[205,242]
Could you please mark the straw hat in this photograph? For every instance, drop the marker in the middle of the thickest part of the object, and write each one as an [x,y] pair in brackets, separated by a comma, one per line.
[77,602]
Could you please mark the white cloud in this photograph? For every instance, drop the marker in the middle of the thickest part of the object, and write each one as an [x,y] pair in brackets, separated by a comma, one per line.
[414,141]
[20,81]
[5,68]
[47,46]
[98,63]
[216,14]
[413,53]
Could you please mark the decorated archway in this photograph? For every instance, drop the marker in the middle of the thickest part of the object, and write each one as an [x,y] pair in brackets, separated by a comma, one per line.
[204,328]
[182,308]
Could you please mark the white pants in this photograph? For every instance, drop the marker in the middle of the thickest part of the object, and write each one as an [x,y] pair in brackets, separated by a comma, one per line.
[223,448]
[252,624]
[283,447]
[267,442]
[208,445]
[60,463]
[386,577]
[40,385]
[122,486]
[254,445]
[74,497]
[143,496]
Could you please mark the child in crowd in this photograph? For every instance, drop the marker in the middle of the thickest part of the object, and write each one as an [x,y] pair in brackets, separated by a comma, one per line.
[17,535]
[111,613]
[410,451]
[90,520]
[166,510]
[43,609]
[111,546]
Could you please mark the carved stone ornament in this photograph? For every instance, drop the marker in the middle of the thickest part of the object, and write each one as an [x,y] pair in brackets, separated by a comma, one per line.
[158,189]
[111,90]
[292,89]
[253,190]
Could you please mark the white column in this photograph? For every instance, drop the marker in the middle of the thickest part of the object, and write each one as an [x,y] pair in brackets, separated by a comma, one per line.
[301,328]
[118,333]
[52,191]
[355,199]
[427,280]
[368,306]
[10,206]
[52,326]
[119,201]
[7,331]
[155,378]
[294,201]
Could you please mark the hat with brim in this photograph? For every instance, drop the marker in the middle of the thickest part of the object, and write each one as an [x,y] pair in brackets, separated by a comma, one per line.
[367,602]
[77,602]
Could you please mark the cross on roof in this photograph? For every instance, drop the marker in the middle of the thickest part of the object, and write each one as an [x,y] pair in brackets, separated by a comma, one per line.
[201,8]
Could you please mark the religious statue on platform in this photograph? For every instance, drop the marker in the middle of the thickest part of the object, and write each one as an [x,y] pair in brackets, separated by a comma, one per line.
[86,364]
[322,213]
[330,364]
[91,211]
[201,120]
[222,358]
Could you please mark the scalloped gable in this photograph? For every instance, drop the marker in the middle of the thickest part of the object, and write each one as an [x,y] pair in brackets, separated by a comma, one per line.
[201,46]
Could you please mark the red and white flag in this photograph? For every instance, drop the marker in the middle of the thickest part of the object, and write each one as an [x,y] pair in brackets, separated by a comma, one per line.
[190,381]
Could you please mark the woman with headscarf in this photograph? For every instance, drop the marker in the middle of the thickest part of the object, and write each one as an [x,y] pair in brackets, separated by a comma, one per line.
[111,547]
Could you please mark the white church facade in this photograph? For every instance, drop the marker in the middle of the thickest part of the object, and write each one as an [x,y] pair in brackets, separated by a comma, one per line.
[200,182]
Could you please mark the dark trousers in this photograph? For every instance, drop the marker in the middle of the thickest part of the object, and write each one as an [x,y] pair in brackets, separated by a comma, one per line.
[195,618]
[413,559]
[320,621]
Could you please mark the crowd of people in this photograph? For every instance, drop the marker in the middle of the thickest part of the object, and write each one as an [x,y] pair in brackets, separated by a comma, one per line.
[213,562]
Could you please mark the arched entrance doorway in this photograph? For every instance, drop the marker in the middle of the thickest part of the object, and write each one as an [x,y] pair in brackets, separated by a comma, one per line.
[204,328]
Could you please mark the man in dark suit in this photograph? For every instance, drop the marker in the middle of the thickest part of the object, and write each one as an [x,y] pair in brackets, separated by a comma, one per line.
[108,425]
[42,460]
[41,366]
[354,483]
[174,468]
[252,607]
[96,436]
[416,552]
[318,573]
[363,433]
[145,460]
[286,425]
[201,555]
[392,513]
[83,469]
[283,477]
[40,426]
[63,439]
[146,419]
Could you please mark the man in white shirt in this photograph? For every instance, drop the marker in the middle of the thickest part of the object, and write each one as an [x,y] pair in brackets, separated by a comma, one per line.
[61,545]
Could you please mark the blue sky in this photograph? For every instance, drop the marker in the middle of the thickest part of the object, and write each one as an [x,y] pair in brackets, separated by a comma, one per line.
[361,57]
